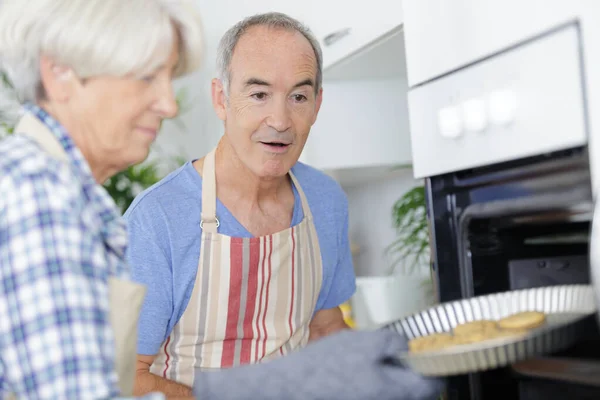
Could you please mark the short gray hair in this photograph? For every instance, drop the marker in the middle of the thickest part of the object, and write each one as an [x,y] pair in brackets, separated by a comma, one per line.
[271,20]
[93,37]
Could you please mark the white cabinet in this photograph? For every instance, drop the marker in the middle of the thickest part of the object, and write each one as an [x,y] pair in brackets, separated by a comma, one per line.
[344,27]
[361,123]
[361,132]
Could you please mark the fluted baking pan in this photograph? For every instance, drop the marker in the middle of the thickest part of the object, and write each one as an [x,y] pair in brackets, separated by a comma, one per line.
[567,308]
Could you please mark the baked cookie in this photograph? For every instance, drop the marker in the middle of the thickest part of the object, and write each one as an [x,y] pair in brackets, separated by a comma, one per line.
[497,334]
[523,320]
[476,327]
[474,337]
[436,341]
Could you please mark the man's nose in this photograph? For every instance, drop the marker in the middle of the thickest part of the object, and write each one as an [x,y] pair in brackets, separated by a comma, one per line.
[280,118]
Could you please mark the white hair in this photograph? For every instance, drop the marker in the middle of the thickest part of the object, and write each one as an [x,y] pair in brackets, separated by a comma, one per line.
[92,37]
[271,20]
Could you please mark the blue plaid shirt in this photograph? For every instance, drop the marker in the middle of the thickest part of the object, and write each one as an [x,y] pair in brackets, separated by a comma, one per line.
[61,237]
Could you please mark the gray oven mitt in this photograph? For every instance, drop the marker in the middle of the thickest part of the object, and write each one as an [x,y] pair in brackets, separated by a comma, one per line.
[347,365]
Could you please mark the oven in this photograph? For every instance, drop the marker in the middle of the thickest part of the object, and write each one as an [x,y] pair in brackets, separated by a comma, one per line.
[502,133]
[516,225]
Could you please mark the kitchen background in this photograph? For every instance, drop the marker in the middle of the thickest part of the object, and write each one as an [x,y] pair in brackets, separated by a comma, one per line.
[361,139]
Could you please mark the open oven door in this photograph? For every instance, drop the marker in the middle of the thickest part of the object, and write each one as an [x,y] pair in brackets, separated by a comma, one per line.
[572,370]
[595,254]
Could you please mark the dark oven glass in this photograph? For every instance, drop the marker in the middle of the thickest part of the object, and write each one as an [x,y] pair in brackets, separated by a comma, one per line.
[509,226]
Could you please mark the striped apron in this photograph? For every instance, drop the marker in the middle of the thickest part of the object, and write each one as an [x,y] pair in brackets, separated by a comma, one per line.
[253,298]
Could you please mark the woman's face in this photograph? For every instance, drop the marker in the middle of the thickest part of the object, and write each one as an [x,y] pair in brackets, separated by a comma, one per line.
[113,120]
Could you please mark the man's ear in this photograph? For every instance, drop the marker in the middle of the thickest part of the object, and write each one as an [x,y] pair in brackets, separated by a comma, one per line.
[318,102]
[219,98]
[58,81]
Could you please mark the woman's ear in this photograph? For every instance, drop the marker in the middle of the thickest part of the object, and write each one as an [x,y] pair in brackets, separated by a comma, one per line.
[58,81]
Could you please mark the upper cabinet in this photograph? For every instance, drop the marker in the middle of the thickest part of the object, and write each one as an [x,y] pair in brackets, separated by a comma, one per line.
[345,27]
[362,131]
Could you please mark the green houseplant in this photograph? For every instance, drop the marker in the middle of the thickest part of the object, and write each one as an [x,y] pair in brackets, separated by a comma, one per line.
[410,252]
[5,128]
[410,249]
[124,186]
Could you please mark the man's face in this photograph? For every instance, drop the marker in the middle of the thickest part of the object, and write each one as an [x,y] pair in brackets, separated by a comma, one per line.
[272,103]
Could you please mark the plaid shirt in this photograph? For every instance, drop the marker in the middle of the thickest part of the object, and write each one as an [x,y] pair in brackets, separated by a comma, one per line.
[61,237]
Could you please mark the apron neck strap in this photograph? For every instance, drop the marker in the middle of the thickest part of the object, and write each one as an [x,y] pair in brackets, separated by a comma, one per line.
[209,221]
[33,128]
[303,201]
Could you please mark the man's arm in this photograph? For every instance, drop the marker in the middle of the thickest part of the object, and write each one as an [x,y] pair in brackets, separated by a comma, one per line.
[326,322]
[329,317]
[146,382]
[151,266]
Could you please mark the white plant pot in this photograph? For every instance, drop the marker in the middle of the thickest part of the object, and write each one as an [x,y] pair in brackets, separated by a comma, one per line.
[383,299]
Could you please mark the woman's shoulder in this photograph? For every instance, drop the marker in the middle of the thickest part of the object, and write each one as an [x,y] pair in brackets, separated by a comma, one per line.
[22,161]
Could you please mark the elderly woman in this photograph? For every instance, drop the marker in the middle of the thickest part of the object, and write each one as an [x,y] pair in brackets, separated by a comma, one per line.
[94,79]
[93,83]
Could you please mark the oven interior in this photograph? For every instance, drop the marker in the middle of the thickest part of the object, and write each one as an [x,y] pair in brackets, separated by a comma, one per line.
[515,225]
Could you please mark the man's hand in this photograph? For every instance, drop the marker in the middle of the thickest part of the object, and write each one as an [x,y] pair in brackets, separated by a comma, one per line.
[326,322]
[146,382]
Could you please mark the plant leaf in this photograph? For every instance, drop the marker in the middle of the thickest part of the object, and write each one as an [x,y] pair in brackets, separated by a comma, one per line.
[409,219]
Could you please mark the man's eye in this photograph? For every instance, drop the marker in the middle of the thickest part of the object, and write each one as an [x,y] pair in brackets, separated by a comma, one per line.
[299,98]
[259,96]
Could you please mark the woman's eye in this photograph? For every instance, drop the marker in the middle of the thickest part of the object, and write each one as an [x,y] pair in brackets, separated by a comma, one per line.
[259,96]
[148,78]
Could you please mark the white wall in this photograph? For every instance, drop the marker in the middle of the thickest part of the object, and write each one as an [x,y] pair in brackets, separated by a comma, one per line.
[370,208]
[381,299]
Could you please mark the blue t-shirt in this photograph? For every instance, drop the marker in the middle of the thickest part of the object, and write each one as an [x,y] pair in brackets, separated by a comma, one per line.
[164,234]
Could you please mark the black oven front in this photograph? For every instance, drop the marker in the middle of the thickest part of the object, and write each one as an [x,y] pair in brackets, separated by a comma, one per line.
[514,225]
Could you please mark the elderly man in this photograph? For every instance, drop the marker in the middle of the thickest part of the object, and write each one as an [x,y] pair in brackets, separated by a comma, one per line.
[245,252]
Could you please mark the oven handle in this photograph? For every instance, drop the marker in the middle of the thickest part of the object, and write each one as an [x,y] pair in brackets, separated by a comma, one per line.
[594,250]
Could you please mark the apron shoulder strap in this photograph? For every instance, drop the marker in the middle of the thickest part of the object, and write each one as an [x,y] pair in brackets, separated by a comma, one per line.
[303,200]
[209,221]
[31,127]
